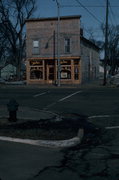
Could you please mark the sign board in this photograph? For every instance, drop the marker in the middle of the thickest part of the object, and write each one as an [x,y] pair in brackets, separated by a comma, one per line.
[35,62]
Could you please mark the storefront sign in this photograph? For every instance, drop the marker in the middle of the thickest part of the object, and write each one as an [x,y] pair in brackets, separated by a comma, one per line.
[35,62]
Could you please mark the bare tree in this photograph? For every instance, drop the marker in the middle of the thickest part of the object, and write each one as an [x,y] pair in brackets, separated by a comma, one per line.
[113,48]
[13,14]
[2,47]
[92,38]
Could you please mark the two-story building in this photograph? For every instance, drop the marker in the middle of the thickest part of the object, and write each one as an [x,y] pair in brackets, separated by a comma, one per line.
[54,47]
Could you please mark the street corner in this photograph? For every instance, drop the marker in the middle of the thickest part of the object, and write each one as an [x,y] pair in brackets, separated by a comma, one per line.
[53,131]
[27,113]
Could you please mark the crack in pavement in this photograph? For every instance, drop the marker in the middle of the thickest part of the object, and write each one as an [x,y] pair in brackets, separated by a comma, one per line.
[91,160]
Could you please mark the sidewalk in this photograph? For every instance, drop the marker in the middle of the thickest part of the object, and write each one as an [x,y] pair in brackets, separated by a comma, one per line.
[24,114]
[21,84]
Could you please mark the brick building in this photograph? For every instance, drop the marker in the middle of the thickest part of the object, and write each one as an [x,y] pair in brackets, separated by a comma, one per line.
[79,57]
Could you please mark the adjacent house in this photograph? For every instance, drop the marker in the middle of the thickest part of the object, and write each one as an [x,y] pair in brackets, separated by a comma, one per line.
[7,71]
[66,52]
[90,59]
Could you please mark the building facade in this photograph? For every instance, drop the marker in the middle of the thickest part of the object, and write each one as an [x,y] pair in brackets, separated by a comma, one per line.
[54,55]
[90,60]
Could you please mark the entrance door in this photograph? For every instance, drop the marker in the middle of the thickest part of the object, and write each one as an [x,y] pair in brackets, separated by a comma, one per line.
[51,73]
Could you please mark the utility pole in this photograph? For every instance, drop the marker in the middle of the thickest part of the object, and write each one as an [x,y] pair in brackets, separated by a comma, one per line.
[58,43]
[106,44]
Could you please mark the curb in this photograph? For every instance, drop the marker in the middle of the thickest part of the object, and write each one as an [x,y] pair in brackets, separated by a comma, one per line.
[47,143]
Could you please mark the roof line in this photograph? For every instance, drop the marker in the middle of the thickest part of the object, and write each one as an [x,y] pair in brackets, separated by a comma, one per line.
[54,18]
[89,42]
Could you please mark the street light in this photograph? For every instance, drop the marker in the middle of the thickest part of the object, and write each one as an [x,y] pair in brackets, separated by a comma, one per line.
[58,42]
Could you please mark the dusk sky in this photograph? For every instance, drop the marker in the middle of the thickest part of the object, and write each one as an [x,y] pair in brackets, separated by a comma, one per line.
[92,12]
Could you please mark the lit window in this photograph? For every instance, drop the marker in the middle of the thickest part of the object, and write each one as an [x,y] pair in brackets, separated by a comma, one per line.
[67,45]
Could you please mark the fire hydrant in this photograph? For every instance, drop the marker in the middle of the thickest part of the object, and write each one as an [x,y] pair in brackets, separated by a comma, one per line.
[12,107]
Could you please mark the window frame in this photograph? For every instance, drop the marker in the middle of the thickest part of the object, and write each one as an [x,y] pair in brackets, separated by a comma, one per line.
[35,48]
[67,45]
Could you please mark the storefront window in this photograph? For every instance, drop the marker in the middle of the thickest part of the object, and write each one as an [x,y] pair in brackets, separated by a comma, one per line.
[65,74]
[36,74]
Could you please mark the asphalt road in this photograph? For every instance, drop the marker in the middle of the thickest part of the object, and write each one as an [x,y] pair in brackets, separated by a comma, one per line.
[24,162]
[98,160]
[87,101]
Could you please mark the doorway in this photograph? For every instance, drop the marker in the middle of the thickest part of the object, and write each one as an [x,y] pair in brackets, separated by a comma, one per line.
[51,73]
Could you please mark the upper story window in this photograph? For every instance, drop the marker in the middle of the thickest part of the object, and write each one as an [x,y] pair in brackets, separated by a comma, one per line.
[67,45]
[36,47]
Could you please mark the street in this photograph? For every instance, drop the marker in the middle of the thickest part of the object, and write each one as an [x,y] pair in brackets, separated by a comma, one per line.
[90,102]
[97,160]
[22,162]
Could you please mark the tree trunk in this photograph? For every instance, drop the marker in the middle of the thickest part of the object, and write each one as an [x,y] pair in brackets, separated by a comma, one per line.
[18,71]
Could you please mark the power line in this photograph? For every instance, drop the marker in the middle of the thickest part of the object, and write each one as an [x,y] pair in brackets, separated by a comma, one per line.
[97,6]
[112,14]
[88,11]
